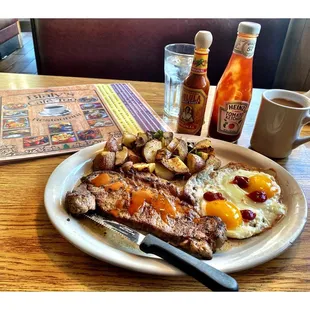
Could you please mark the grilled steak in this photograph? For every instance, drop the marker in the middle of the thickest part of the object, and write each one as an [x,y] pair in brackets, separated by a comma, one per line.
[146,202]
[81,200]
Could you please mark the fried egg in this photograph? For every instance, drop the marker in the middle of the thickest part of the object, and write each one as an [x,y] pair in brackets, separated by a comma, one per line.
[234,203]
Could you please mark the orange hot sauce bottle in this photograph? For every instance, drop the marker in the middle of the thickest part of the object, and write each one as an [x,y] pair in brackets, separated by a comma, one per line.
[195,88]
[234,90]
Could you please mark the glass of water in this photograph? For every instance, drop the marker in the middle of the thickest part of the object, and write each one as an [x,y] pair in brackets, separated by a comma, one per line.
[178,62]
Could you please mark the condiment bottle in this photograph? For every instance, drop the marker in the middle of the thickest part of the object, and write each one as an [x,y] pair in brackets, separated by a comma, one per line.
[195,88]
[234,90]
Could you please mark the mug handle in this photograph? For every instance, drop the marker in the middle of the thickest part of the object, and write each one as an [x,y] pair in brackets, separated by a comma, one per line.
[307,94]
[305,121]
[300,141]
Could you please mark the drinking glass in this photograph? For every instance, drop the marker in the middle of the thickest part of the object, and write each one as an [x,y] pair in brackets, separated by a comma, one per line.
[178,62]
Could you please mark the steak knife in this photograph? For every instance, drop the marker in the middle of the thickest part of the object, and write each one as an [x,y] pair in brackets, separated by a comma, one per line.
[212,278]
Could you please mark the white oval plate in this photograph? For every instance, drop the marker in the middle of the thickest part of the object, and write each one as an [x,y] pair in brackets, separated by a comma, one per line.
[244,255]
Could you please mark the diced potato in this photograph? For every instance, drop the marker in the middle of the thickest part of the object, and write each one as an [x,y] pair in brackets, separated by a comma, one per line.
[167,138]
[181,150]
[195,163]
[214,162]
[143,167]
[203,155]
[162,153]
[175,165]
[150,134]
[150,150]
[111,145]
[142,138]
[121,156]
[129,140]
[173,144]
[127,166]
[132,156]
[163,172]
[104,161]
[204,146]
[168,135]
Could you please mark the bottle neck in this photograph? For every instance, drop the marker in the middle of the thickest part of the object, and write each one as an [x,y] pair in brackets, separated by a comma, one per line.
[245,45]
[200,62]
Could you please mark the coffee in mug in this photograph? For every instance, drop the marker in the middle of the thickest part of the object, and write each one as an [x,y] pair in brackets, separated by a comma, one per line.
[281,116]
[287,103]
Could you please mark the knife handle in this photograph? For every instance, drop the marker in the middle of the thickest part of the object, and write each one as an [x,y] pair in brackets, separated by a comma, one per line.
[212,278]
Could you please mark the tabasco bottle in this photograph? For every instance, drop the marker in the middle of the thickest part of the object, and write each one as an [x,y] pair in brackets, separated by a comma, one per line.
[234,90]
[195,88]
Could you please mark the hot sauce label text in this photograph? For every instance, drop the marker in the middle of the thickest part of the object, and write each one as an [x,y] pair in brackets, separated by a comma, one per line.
[193,102]
[200,63]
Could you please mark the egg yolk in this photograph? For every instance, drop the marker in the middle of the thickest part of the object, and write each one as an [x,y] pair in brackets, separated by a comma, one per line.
[225,210]
[261,183]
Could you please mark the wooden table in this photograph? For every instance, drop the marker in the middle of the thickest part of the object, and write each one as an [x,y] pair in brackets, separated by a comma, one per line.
[35,257]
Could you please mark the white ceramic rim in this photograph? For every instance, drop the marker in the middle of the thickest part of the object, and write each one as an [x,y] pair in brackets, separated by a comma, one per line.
[70,167]
[287,94]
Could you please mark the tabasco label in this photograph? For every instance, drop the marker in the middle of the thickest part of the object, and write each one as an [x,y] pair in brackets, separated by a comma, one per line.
[231,117]
[200,63]
[192,110]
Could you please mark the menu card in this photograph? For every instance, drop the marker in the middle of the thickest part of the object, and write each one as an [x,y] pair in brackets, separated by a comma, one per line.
[56,120]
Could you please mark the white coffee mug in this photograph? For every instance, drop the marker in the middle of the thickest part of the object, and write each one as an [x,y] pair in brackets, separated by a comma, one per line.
[277,127]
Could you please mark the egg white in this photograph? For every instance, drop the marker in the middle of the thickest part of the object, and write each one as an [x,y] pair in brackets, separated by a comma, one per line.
[267,213]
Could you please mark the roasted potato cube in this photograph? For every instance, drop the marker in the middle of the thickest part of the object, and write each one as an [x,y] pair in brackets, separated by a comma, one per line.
[129,140]
[127,166]
[121,156]
[111,145]
[142,138]
[150,134]
[104,161]
[162,172]
[195,163]
[203,146]
[181,150]
[203,155]
[175,165]
[132,156]
[213,161]
[167,138]
[150,150]
[173,144]
[143,167]
[162,153]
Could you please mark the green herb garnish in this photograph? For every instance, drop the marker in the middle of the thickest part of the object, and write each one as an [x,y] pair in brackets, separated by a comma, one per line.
[158,134]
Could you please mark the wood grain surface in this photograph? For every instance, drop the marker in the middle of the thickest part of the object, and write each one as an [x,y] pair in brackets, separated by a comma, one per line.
[35,257]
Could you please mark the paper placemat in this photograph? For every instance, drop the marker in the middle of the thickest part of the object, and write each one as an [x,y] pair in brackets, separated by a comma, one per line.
[48,121]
